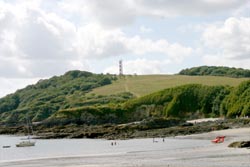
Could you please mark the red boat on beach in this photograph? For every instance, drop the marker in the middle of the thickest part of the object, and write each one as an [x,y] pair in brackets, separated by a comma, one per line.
[219,139]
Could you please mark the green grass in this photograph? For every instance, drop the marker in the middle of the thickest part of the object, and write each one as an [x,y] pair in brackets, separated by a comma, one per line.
[145,84]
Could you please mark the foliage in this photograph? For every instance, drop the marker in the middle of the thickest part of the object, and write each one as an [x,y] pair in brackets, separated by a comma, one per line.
[237,103]
[217,71]
[46,97]
[184,101]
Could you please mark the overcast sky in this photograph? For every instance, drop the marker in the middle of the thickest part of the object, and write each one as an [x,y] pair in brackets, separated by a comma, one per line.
[43,38]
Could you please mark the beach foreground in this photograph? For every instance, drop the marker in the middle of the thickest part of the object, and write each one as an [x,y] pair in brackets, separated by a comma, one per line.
[204,154]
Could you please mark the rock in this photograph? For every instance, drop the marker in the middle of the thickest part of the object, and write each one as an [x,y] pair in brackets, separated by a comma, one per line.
[240,144]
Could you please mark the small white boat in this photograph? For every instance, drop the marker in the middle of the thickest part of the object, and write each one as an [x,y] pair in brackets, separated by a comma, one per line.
[26,144]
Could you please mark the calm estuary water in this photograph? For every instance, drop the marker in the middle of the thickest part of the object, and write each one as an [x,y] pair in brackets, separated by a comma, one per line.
[86,147]
[96,152]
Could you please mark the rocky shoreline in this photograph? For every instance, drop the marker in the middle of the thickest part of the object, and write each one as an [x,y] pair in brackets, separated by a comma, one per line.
[240,144]
[144,129]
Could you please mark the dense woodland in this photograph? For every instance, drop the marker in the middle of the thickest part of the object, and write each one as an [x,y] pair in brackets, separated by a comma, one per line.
[43,99]
[65,99]
[217,71]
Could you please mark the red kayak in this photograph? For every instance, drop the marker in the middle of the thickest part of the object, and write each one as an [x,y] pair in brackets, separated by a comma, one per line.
[219,139]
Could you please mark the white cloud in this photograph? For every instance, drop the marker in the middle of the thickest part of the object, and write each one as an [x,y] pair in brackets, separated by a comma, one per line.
[232,38]
[218,60]
[170,8]
[94,41]
[141,46]
[106,12]
[39,43]
[120,13]
[31,38]
[43,36]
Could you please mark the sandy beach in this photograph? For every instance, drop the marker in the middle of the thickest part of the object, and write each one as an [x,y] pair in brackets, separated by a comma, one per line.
[204,154]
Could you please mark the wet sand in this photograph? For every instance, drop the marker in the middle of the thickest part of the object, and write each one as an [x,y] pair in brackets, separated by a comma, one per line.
[209,155]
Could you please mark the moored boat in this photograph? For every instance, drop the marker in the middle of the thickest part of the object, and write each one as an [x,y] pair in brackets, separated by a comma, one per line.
[6,146]
[26,144]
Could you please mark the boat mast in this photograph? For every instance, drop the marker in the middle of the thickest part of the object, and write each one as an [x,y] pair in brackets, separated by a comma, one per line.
[27,120]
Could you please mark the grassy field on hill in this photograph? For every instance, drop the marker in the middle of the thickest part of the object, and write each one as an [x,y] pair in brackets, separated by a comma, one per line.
[141,85]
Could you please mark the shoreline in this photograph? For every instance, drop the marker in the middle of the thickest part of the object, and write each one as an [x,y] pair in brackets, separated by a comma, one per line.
[208,155]
[130,130]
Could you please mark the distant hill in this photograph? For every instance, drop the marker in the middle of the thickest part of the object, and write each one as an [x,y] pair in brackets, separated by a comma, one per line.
[216,71]
[83,97]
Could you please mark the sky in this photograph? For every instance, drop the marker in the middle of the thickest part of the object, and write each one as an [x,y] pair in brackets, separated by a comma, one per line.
[43,38]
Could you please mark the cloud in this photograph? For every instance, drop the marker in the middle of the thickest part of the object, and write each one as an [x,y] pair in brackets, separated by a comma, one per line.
[169,8]
[45,36]
[218,60]
[39,40]
[113,13]
[232,38]
[39,43]
[94,41]
[140,46]
[31,38]
[107,12]
[228,43]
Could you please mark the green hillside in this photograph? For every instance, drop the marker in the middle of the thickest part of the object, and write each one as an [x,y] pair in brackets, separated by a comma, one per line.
[83,97]
[41,100]
[141,85]
[186,102]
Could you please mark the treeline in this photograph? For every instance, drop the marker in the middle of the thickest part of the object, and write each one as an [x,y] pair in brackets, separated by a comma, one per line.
[41,100]
[217,71]
[185,102]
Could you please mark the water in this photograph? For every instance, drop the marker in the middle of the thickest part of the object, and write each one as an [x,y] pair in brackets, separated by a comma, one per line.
[85,147]
[134,152]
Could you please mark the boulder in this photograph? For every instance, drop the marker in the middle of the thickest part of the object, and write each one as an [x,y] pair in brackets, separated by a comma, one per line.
[240,144]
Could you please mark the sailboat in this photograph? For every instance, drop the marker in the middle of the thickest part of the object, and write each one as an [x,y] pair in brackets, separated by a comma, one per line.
[27,142]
